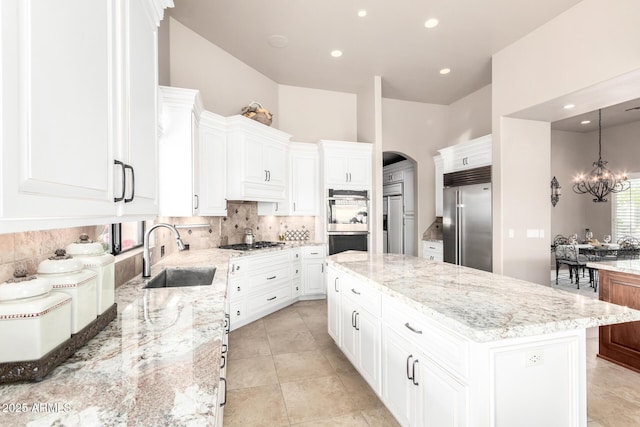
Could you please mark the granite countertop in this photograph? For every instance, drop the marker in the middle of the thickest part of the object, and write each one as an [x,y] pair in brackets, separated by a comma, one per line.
[629,266]
[157,363]
[478,305]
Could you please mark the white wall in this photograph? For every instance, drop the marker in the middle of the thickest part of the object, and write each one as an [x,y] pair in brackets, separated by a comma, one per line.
[591,43]
[416,130]
[164,54]
[226,84]
[470,117]
[313,114]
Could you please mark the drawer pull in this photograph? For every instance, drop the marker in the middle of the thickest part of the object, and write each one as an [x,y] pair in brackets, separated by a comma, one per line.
[431,247]
[314,253]
[409,376]
[238,288]
[271,278]
[412,329]
[271,299]
[225,348]
[225,391]
[355,292]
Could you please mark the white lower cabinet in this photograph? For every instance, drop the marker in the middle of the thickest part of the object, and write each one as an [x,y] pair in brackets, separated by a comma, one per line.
[416,390]
[432,250]
[313,272]
[260,284]
[360,329]
[334,289]
[222,385]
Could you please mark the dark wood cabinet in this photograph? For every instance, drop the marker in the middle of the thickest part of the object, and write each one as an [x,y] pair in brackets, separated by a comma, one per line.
[620,343]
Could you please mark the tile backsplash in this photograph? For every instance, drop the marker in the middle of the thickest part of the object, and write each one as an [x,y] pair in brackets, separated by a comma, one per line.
[28,249]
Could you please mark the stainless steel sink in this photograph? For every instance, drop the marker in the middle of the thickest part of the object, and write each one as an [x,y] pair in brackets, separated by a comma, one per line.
[182,276]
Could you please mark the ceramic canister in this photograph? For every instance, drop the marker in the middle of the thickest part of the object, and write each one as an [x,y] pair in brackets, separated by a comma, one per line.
[33,320]
[68,275]
[94,258]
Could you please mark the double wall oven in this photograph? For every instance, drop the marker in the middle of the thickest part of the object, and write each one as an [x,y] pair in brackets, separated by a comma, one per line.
[347,220]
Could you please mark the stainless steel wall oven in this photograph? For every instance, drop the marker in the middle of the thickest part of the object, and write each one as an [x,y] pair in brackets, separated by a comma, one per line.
[347,220]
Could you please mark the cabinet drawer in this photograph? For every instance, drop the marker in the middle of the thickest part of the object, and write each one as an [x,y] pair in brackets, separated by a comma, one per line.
[267,262]
[444,347]
[365,296]
[264,279]
[296,271]
[295,254]
[296,288]
[268,298]
[313,252]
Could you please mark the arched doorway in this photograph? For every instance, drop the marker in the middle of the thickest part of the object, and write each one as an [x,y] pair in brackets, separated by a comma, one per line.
[399,204]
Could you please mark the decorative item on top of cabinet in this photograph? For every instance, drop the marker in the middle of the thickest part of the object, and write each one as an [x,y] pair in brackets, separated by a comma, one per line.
[255,112]
[179,154]
[346,165]
[256,161]
[467,155]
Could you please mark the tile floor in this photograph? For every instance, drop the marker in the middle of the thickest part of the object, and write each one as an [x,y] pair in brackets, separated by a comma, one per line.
[285,370]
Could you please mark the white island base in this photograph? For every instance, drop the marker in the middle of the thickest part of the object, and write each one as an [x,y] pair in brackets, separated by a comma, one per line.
[437,359]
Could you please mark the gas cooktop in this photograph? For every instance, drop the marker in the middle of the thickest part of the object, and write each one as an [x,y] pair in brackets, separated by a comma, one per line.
[256,245]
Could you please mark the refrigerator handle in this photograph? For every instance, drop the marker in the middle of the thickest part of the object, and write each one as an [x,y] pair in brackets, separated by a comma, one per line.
[458,227]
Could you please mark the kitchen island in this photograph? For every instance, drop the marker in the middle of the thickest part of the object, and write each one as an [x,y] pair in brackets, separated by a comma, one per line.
[157,363]
[448,345]
[619,283]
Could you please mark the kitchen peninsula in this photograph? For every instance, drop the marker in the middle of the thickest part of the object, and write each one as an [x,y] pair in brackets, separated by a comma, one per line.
[619,283]
[449,345]
[157,363]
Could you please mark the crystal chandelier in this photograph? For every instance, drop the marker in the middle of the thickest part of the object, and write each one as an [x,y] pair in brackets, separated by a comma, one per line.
[600,181]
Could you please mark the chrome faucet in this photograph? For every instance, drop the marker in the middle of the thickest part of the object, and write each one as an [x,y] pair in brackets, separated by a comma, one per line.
[146,258]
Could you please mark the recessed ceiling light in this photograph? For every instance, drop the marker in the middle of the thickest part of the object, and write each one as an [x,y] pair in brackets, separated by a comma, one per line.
[445,71]
[585,122]
[431,23]
[336,53]
[362,13]
[569,106]
[277,40]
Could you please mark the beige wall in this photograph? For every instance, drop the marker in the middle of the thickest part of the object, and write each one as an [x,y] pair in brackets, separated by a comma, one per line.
[310,115]
[164,54]
[470,117]
[226,84]
[591,43]
[416,130]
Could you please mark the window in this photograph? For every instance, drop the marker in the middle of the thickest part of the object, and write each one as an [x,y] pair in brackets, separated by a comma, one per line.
[625,210]
[126,236]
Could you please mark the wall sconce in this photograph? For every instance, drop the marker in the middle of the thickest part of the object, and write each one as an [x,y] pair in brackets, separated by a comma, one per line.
[556,190]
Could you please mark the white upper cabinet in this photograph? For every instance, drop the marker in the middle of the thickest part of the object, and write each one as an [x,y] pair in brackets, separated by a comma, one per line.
[59,110]
[138,147]
[213,165]
[78,93]
[303,184]
[256,161]
[179,152]
[346,165]
[467,155]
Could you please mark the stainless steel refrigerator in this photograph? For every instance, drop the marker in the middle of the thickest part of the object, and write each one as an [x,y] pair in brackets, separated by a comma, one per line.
[466,224]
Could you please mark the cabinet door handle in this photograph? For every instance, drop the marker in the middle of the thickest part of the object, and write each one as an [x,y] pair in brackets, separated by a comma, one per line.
[238,288]
[322,269]
[412,329]
[349,176]
[265,175]
[124,180]
[133,183]
[271,299]
[355,292]
[357,323]
[346,176]
[227,322]
[224,361]
[225,391]
[225,348]
[335,284]
[409,377]
[353,318]
[196,199]
[294,206]
[414,380]
[238,313]
[268,175]
[271,278]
